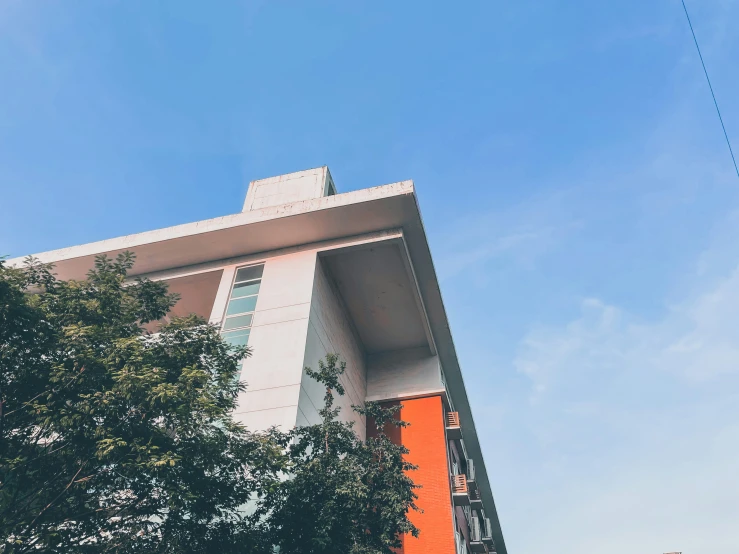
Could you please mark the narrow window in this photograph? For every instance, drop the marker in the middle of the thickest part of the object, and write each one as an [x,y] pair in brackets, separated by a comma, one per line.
[241,304]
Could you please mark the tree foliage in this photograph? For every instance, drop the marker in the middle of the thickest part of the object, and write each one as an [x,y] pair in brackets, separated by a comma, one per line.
[116,440]
[344,495]
[111,438]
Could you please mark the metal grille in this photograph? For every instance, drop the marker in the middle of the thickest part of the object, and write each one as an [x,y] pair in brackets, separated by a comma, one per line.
[459,484]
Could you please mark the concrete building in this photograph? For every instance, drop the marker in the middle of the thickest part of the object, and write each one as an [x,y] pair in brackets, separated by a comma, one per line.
[303,271]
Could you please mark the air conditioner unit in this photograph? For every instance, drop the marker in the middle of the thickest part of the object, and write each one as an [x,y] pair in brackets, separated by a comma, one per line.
[475,534]
[487,532]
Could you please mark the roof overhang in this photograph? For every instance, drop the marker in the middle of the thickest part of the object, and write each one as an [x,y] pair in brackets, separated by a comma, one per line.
[360,212]
[246,233]
[380,294]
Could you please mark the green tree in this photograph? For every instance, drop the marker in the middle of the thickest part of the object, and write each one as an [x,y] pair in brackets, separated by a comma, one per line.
[112,439]
[343,495]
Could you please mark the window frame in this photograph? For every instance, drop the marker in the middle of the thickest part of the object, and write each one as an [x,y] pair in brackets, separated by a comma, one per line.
[241,330]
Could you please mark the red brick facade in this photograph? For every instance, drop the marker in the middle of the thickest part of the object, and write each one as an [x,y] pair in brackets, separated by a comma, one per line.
[426,441]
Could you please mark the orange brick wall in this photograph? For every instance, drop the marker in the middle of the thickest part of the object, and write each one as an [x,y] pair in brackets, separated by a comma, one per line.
[427,444]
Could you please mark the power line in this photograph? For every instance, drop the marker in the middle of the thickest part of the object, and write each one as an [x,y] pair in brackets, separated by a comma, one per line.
[715,102]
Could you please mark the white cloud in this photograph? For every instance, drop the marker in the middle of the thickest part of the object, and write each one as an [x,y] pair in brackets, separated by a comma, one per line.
[697,338]
[517,235]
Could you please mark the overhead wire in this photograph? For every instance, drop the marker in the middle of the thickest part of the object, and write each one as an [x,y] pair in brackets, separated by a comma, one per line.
[710,86]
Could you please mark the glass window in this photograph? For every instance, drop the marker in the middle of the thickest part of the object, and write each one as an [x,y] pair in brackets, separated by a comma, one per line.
[249,273]
[460,544]
[238,321]
[237,338]
[241,305]
[245,289]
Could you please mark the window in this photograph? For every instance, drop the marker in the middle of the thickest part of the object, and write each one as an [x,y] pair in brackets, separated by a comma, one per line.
[461,544]
[241,304]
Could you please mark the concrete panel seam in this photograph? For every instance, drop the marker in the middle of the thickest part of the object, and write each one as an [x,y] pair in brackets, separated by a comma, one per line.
[308,397]
[357,396]
[248,390]
[278,322]
[265,409]
[282,307]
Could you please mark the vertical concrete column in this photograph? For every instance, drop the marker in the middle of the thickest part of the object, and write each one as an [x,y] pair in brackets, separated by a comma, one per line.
[278,334]
[224,290]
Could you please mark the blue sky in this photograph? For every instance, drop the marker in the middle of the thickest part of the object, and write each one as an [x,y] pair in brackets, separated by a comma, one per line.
[579,198]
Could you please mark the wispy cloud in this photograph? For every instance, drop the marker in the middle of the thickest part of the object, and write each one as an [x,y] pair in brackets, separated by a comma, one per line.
[696,338]
[517,236]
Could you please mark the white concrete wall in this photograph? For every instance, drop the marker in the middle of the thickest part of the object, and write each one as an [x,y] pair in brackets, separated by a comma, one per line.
[274,371]
[403,373]
[285,189]
[330,331]
[299,318]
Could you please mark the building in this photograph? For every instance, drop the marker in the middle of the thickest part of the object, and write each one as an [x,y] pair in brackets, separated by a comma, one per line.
[303,271]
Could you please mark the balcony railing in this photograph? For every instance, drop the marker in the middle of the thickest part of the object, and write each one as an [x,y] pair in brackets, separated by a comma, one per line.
[475,499]
[453,429]
[460,492]
[459,484]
